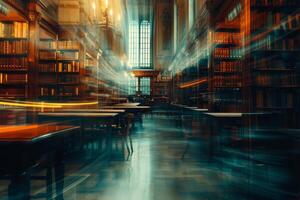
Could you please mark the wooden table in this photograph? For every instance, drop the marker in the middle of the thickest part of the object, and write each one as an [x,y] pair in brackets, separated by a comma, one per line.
[217,122]
[191,107]
[223,115]
[200,109]
[92,110]
[129,108]
[128,104]
[103,121]
[107,118]
[132,109]
[178,105]
[22,148]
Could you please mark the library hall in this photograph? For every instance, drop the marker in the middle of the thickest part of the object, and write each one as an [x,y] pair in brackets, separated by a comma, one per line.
[149,99]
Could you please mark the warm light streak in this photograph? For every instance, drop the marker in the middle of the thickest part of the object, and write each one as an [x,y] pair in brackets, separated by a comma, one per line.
[28,105]
[192,83]
[45,104]
[76,104]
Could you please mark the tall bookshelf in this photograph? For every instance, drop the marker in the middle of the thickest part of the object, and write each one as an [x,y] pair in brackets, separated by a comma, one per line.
[13,59]
[47,68]
[225,78]
[68,63]
[89,75]
[59,69]
[271,71]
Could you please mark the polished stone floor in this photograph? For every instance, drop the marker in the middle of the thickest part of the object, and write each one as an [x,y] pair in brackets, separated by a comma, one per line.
[154,171]
[157,170]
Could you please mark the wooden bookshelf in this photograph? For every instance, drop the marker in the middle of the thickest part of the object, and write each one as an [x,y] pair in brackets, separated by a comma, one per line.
[59,69]
[271,70]
[43,57]
[13,59]
[89,75]
[225,78]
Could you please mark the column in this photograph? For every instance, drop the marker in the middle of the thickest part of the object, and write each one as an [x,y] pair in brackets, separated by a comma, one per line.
[34,18]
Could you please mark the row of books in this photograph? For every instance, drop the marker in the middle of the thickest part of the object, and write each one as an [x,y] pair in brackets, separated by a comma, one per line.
[227,53]
[266,20]
[13,30]
[68,44]
[12,78]
[62,91]
[68,91]
[230,66]
[13,63]
[290,23]
[274,99]
[48,44]
[271,63]
[12,92]
[277,80]
[271,43]
[12,116]
[49,67]
[68,55]
[274,3]
[45,91]
[227,38]
[62,67]
[50,55]
[47,55]
[59,45]
[227,81]
[69,67]
[67,79]
[13,47]
[287,44]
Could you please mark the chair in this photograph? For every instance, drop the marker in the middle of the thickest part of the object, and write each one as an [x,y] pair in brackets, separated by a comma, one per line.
[123,130]
[190,131]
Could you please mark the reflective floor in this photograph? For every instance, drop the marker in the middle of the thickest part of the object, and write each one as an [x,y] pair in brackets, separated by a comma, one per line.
[154,171]
[161,168]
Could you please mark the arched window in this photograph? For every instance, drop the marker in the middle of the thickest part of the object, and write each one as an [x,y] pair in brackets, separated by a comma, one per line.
[134,41]
[145,44]
[140,44]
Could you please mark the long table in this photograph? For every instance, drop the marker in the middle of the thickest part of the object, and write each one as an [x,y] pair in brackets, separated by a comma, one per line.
[128,104]
[92,110]
[23,147]
[100,120]
[129,108]
[83,117]
[189,109]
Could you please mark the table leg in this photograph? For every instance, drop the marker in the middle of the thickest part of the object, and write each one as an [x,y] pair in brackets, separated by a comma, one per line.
[59,169]
[49,182]
[109,139]
[19,188]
